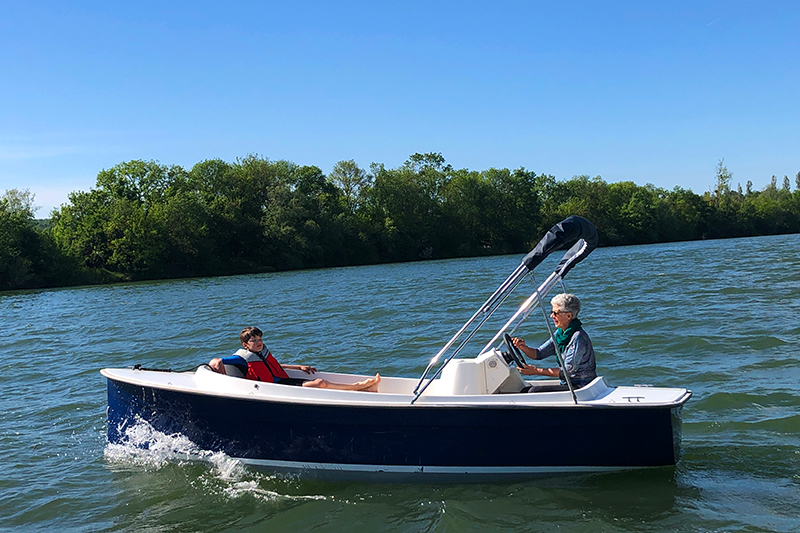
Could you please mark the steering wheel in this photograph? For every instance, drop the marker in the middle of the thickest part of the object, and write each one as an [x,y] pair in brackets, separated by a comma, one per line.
[515,353]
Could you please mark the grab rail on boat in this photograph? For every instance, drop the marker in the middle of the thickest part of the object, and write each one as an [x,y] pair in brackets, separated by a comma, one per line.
[577,233]
[487,309]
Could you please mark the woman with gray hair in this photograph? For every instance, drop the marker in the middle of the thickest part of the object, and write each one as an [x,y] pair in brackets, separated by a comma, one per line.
[573,343]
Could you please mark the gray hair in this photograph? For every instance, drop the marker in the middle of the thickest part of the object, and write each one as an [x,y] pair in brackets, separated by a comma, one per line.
[567,302]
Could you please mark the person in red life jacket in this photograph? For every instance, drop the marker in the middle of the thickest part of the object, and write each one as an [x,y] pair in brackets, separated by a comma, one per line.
[254,361]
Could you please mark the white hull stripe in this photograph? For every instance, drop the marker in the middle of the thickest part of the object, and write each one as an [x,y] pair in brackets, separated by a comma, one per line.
[400,469]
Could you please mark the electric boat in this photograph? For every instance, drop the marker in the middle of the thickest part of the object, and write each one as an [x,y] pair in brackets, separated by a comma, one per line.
[464,417]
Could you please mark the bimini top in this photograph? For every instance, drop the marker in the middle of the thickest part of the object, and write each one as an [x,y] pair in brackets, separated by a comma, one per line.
[573,231]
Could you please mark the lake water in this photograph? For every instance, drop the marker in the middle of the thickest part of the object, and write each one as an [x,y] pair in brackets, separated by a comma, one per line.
[717,317]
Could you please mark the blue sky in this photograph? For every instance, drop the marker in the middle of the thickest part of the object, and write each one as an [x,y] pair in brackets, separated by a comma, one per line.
[650,92]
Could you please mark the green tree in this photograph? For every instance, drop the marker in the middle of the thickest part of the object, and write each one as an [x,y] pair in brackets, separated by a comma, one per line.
[406,208]
[353,182]
[690,214]
[29,257]
[593,199]
[233,198]
[16,238]
[147,220]
[471,213]
[723,186]
[120,225]
[304,221]
[19,202]
[519,222]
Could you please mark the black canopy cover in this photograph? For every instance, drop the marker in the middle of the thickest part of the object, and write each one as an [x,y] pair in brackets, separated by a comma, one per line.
[573,231]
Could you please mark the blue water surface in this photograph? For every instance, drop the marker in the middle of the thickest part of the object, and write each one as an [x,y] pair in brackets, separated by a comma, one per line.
[718,317]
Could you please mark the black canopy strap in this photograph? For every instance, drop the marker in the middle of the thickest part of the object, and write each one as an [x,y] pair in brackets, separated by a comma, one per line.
[140,367]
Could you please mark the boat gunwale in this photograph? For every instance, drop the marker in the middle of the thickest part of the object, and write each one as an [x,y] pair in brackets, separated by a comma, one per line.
[398,400]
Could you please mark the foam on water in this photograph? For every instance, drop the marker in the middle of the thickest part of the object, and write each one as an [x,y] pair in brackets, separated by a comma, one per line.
[148,448]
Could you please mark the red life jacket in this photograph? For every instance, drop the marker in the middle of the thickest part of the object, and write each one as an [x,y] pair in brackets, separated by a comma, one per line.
[260,368]
[270,371]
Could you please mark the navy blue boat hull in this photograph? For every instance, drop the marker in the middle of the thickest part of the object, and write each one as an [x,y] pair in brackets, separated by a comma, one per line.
[502,436]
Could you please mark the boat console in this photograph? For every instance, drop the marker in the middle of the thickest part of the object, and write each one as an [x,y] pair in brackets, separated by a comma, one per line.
[486,374]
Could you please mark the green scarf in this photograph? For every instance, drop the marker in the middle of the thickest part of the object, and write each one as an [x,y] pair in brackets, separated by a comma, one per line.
[563,336]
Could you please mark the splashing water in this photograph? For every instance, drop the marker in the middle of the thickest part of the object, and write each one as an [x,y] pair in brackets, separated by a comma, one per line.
[145,447]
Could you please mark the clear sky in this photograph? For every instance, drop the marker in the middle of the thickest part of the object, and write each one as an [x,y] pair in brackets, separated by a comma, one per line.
[643,91]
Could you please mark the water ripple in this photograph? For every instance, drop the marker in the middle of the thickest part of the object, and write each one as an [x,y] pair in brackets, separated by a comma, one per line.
[715,316]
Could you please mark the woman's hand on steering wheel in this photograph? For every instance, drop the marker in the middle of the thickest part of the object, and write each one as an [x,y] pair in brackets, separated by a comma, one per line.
[515,353]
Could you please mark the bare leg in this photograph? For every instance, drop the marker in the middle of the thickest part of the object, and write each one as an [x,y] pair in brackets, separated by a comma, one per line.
[367,385]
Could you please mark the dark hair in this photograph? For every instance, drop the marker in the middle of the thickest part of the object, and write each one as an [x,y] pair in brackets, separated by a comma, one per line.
[249,333]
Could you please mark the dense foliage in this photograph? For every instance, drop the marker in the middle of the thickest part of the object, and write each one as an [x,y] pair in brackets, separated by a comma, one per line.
[28,255]
[144,220]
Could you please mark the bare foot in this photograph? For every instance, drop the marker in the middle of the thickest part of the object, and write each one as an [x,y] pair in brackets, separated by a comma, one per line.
[370,384]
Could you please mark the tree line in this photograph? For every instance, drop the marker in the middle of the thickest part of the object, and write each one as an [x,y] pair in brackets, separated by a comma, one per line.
[144,220]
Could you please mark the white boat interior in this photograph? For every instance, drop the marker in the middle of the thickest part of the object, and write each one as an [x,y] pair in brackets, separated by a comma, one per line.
[486,380]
